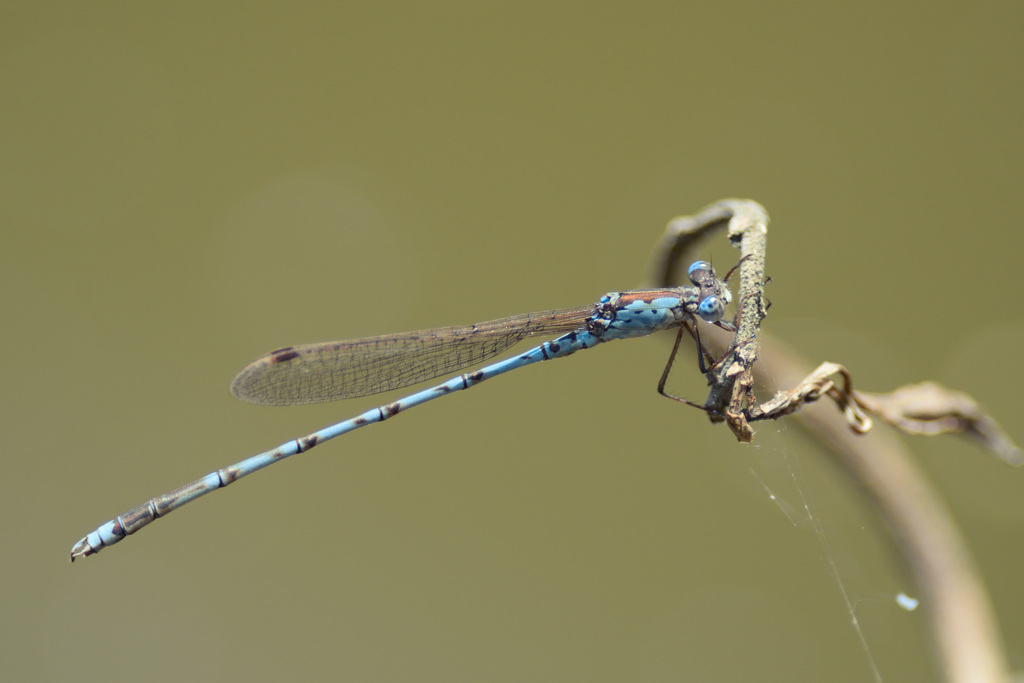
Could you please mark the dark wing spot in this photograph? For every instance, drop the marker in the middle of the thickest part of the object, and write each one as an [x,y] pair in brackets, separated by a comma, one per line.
[283,355]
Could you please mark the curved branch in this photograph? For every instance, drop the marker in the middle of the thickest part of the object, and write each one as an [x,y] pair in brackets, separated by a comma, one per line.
[960,618]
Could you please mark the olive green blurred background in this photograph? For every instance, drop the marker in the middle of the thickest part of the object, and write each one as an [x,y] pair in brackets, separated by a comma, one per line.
[186,187]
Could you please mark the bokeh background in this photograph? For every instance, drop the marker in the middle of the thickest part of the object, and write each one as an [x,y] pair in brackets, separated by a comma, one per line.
[187,186]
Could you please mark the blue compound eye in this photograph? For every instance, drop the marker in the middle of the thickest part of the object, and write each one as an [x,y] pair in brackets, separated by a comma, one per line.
[711,309]
[701,272]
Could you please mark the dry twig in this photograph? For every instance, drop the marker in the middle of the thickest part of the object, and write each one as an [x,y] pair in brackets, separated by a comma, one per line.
[963,628]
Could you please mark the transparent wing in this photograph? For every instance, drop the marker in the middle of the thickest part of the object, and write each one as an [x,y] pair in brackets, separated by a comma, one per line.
[318,373]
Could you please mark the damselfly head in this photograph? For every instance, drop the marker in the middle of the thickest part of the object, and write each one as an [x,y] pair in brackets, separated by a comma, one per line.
[714,293]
